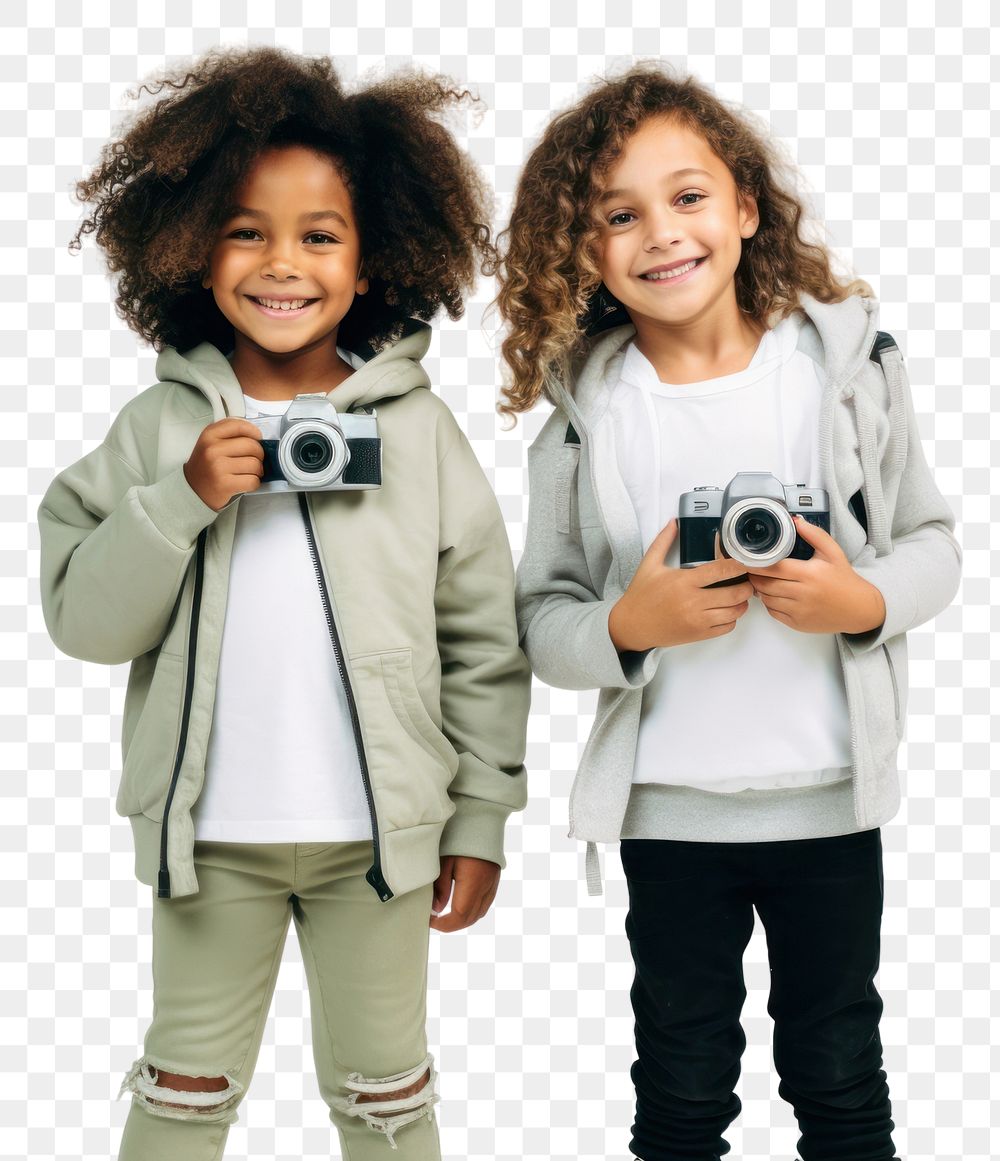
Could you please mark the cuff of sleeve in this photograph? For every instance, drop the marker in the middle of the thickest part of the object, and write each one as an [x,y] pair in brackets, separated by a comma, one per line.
[900,606]
[629,669]
[475,829]
[176,509]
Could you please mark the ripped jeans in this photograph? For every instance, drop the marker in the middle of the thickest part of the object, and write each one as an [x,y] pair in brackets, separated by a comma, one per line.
[216,956]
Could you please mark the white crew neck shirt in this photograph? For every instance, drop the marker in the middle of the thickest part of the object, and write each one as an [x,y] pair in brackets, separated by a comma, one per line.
[765,705]
[282,763]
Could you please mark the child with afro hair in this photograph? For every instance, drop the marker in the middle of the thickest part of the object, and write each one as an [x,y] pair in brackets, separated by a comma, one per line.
[326,708]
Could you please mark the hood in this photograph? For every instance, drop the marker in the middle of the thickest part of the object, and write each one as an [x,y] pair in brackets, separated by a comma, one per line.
[395,370]
[839,335]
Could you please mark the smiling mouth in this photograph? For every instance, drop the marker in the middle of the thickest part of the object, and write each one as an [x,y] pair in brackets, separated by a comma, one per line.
[275,309]
[678,272]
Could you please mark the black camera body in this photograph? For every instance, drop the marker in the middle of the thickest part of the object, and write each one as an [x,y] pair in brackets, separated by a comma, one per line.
[314,448]
[753,518]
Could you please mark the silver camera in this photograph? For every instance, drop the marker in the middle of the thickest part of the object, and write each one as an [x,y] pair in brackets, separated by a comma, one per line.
[753,517]
[314,448]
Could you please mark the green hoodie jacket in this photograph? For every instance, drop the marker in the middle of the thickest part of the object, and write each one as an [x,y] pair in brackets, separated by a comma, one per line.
[417,582]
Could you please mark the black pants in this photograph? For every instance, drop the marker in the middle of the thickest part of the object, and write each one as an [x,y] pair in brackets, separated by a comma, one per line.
[690,919]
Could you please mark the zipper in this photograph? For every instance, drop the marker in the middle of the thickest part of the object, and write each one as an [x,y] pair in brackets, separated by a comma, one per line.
[374,874]
[163,879]
[892,674]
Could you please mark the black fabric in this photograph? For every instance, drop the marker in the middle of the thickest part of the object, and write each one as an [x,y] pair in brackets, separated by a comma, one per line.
[691,915]
[883,342]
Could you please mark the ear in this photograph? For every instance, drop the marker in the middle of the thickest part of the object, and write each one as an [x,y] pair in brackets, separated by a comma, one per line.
[206,280]
[749,216]
[361,287]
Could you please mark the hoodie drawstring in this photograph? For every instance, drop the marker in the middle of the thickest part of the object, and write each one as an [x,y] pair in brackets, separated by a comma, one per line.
[593,865]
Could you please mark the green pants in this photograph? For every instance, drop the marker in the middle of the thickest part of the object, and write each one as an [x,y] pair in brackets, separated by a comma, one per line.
[216,955]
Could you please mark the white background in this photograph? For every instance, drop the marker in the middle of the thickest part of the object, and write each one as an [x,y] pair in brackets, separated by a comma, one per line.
[886,107]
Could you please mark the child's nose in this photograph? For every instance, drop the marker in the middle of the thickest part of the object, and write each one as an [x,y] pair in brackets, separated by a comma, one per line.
[662,228]
[280,258]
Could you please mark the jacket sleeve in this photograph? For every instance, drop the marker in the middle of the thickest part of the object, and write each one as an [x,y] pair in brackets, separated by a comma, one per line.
[563,623]
[920,577]
[114,550]
[485,679]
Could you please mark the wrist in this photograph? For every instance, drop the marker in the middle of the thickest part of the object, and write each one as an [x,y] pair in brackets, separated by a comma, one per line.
[872,611]
[621,629]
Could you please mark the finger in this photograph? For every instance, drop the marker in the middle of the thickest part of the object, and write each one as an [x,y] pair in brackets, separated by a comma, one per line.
[244,446]
[234,427]
[488,900]
[662,541]
[776,603]
[439,900]
[246,466]
[820,540]
[453,921]
[721,567]
[443,883]
[467,901]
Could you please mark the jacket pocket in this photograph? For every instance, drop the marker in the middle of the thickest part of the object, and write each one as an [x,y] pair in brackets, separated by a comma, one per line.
[896,654]
[892,675]
[410,761]
[408,705]
[148,760]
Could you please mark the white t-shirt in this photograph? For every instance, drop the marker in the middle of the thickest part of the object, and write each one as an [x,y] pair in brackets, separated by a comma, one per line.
[282,764]
[765,705]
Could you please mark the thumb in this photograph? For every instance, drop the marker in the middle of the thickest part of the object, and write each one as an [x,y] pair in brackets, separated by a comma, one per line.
[820,540]
[657,551]
[443,883]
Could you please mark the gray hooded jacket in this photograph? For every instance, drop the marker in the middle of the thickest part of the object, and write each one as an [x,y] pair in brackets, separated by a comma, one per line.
[583,546]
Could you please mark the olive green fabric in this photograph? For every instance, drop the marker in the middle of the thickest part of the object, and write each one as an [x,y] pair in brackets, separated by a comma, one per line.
[420,578]
[216,955]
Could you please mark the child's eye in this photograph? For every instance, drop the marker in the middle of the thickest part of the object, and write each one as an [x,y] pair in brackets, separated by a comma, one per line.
[322,237]
[691,195]
[236,233]
[613,220]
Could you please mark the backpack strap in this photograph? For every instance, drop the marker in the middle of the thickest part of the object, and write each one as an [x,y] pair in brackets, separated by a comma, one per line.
[883,342]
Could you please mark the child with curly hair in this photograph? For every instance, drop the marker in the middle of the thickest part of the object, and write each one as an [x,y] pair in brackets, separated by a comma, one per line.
[326,708]
[660,295]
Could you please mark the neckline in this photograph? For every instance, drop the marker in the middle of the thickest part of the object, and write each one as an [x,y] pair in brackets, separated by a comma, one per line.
[775,346]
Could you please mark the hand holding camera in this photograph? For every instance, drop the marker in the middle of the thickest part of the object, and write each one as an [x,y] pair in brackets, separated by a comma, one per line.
[310,448]
[228,458]
[665,606]
[775,536]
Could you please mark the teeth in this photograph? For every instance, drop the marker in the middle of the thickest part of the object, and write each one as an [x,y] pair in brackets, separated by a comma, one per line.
[294,304]
[659,275]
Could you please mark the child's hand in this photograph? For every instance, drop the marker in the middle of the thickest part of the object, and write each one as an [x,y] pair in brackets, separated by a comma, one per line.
[673,606]
[228,458]
[476,882]
[820,595]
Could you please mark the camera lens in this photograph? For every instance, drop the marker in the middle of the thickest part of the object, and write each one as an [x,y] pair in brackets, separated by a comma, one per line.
[311,452]
[757,530]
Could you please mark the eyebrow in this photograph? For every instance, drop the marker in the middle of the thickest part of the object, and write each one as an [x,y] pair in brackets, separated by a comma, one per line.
[312,216]
[614,193]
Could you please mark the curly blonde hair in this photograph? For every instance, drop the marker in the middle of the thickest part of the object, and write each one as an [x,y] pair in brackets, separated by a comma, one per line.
[547,272]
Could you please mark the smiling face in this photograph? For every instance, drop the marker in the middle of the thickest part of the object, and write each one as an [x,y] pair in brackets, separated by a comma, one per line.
[292,237]
[656,219]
